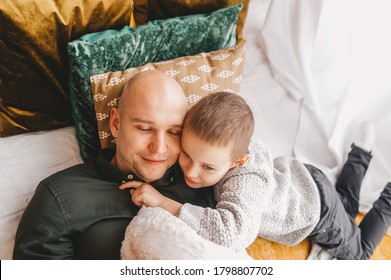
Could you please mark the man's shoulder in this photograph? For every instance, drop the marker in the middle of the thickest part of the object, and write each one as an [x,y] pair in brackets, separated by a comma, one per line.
[82,170]
[75,185]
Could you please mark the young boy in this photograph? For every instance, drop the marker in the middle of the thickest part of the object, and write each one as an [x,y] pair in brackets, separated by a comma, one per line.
[281,200]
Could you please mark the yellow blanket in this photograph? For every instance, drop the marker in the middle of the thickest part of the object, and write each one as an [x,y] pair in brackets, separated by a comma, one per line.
[263,249]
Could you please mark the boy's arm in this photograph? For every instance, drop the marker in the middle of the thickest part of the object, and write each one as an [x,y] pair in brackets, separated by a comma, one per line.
[145,194]
[235,221]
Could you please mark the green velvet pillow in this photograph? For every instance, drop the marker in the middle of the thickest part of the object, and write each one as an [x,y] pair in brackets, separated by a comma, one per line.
[34,61]
[117,50]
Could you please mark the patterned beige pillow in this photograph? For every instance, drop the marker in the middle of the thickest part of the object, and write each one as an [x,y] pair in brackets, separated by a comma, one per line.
[199,75]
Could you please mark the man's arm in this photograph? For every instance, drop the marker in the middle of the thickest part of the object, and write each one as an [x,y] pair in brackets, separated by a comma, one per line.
[42,232]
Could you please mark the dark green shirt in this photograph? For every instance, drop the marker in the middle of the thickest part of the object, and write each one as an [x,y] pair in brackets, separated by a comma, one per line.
[79,213]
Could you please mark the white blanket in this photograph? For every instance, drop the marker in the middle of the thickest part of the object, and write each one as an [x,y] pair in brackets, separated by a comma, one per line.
[155,234]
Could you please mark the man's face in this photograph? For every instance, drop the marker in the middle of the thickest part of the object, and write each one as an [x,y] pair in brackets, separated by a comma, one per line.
[148,136]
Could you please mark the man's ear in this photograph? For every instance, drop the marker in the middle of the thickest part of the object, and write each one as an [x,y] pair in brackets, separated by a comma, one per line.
[114,122]
[241,160]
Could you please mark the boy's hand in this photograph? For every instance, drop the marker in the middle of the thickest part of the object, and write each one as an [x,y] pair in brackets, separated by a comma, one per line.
[143,194]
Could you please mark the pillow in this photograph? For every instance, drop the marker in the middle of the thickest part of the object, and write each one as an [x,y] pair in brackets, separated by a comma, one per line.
[33,60]
[147,10]
[140,13]
[36,155]
[117,50]
[198,75]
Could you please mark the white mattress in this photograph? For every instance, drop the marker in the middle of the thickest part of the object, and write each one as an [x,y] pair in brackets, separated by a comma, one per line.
[301,106]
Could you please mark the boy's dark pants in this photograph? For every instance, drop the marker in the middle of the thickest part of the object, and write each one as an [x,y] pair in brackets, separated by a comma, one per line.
[336,231]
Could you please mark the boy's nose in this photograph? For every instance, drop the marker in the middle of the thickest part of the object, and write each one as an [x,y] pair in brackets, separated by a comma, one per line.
[192,171]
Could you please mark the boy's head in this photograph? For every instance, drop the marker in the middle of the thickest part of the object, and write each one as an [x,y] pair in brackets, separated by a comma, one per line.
[216,134]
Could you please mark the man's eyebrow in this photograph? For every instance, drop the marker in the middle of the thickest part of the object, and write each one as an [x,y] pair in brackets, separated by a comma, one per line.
[140,120]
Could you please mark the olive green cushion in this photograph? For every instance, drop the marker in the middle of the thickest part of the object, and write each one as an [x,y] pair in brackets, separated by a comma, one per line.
[117,50]
[34,61]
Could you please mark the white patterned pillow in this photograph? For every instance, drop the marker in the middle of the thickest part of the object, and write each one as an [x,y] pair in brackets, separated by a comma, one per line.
[199,75]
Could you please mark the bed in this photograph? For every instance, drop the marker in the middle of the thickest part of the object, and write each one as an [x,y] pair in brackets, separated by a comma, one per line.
[314,71]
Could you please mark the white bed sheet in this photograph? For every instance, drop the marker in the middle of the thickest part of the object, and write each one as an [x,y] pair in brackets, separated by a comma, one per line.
[333,58]
[266,97]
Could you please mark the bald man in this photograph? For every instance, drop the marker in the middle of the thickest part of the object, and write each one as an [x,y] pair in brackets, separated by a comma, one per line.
[148,125]
[80,213]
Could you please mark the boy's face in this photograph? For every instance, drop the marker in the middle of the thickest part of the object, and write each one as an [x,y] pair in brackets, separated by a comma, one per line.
[202,163]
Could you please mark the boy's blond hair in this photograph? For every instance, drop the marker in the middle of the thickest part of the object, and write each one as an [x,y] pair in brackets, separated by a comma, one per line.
[222,119]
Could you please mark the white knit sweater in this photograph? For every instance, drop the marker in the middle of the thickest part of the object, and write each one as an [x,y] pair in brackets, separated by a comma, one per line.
[274,199]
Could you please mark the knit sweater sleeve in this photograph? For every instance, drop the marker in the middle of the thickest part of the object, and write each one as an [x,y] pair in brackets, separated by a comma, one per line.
[236,220]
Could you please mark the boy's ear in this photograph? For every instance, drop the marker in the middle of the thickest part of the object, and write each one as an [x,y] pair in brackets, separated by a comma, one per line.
[241,160]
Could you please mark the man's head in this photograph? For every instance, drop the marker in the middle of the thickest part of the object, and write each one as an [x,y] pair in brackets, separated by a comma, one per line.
[216,134]
[147,125]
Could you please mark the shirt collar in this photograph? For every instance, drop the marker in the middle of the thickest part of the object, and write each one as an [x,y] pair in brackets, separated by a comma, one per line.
[113,174]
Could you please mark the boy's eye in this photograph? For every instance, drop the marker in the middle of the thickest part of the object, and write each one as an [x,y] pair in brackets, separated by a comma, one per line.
[184,153]
[208,167]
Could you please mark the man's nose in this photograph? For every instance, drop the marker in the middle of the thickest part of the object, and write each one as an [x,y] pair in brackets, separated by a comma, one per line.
[158,144]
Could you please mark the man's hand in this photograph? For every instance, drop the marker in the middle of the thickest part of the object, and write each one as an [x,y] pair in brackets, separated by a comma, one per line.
[145,194]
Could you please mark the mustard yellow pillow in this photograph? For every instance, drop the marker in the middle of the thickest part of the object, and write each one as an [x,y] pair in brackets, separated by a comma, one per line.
[147,10]
[199,75]
[34,62]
